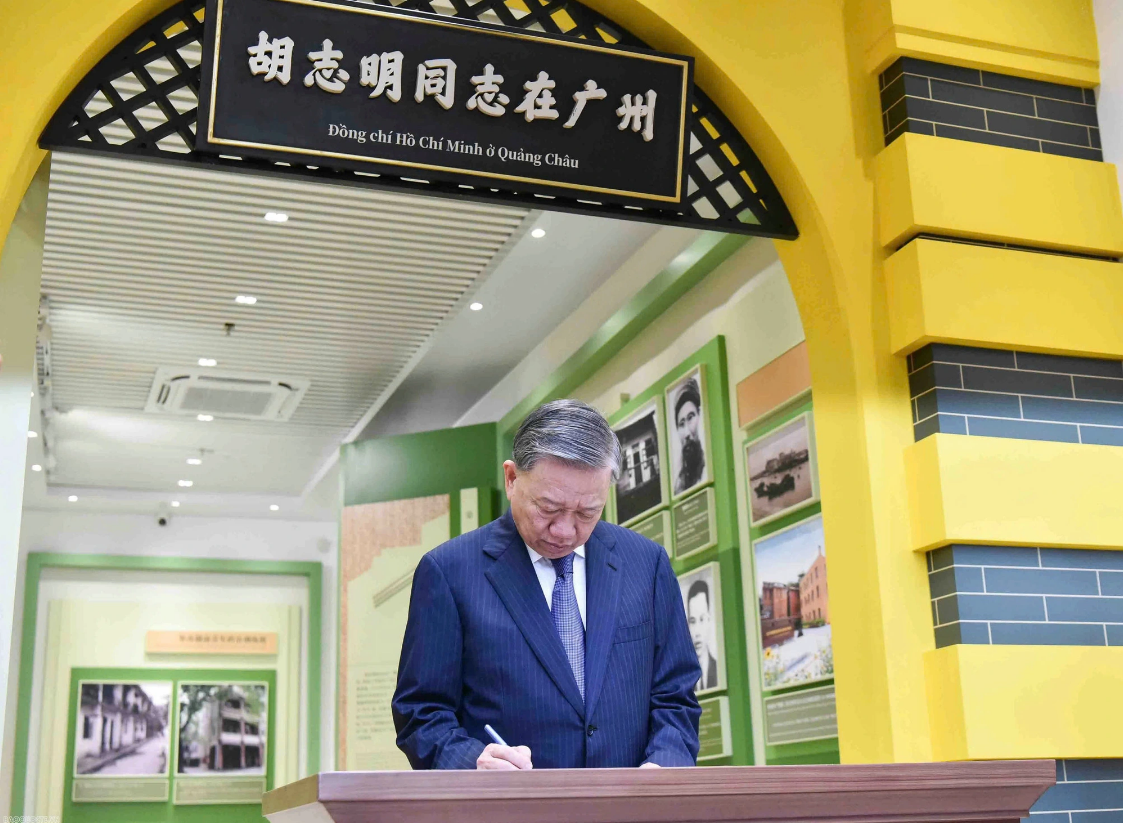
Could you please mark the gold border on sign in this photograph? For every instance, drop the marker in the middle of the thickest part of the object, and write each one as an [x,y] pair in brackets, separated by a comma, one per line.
[655,58]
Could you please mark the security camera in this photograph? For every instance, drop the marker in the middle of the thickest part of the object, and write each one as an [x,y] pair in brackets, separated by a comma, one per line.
[162,520]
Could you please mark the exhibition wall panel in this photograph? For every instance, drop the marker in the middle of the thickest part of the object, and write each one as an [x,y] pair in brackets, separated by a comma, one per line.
[90,615]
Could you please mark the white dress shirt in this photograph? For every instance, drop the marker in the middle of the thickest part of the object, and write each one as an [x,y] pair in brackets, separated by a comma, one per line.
[547,576]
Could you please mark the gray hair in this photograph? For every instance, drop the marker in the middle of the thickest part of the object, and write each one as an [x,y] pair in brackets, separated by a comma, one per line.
[569,431]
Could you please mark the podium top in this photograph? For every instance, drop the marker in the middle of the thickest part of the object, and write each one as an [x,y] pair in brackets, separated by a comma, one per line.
[886,793]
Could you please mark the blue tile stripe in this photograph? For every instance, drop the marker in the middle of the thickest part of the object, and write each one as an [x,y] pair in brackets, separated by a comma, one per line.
[1023,395]
[1087,791]
[1014,595]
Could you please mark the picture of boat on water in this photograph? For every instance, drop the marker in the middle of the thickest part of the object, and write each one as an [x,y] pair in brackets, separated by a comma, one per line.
[780,468]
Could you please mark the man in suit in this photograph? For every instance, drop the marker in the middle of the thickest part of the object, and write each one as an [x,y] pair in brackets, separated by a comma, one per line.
[564,633]
[700,617]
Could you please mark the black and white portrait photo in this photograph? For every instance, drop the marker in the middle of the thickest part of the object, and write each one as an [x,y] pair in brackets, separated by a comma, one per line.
[701,596]
[640,486]
[686,410]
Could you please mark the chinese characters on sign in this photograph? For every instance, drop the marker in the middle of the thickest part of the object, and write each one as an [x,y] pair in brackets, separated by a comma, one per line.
[210,642]
[378,89]
[437,79]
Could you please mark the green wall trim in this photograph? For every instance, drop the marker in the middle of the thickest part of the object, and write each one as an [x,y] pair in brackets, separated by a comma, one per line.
[418,465]
[167,812]
[688,268]
[38,561]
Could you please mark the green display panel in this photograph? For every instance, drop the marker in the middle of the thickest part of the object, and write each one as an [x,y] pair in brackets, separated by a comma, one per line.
[695,524]
[163,745]
[657,529]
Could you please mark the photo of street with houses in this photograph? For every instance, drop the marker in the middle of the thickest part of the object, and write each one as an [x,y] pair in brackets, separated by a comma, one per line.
[122,729]
[222,728]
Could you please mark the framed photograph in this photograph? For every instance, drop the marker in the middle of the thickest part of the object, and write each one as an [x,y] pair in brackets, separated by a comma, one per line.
[688,433]
[780,470]
[701,596]
[122,729]
[795,621]
[641,487]
[223,729]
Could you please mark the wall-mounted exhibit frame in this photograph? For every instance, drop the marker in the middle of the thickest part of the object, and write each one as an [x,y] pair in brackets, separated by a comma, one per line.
[642,486]
[695,523]
[781,471]
[689,453]
[728,189]
[821,749]
[800,716]
[701,597]
[226,799]
[38,562]
[657,528]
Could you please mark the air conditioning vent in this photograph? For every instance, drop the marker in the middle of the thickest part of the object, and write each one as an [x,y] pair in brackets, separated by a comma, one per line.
[225,394]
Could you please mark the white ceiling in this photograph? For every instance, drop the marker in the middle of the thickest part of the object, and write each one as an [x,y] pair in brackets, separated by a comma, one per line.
[359,291]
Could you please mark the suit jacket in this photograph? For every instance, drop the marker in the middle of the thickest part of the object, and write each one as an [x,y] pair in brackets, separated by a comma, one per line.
[481,647]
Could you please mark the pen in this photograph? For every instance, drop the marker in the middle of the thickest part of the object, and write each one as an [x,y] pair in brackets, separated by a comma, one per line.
[494,735]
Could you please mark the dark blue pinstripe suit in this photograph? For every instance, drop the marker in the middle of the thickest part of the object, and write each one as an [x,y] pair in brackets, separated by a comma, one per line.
[481,647]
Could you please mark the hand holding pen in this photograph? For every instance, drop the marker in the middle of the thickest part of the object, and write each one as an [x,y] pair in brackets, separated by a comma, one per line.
[501,757]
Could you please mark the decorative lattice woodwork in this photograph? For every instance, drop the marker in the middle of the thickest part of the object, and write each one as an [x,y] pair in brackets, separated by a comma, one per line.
[141,101]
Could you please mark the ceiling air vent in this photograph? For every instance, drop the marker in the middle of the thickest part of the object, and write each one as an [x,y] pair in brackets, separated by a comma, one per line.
[225,394]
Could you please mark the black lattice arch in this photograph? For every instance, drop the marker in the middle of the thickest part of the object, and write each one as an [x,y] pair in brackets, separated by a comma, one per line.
[141,101]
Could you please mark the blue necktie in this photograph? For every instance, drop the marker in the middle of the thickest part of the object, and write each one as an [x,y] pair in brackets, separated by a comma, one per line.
[567,619]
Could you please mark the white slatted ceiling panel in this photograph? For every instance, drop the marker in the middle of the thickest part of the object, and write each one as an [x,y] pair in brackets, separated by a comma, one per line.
[142,263]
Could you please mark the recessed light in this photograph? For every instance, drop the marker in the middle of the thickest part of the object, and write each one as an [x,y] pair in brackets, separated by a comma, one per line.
[276,216]
[538,233]
[245,299]
[274,508]
[175,504]
[33,394]
[476,306]
[207,361]
[194,461]
[186,483]
[204,418]
[36,468]
[73,498]
[31,433]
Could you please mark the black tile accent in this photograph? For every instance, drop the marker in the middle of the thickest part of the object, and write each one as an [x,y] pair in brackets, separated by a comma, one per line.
[1067,112]
[982,107]
[1091,366]
[1017,382]
[1020,395]
[1098,388]
[1071,151]
[971,356]
[1038,128]
[1037,88]
[990,138]
[987,98]
[1094,135]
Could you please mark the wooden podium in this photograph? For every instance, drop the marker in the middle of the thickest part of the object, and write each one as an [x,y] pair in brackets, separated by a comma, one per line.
[891,793]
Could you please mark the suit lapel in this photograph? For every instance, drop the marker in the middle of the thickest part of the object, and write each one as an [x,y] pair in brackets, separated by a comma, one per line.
[513,578]
[602,590]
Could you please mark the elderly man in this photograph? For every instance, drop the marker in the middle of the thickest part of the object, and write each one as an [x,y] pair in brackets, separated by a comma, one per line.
[564,633]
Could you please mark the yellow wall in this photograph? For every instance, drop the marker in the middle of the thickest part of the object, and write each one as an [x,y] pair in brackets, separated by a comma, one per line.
[796,81]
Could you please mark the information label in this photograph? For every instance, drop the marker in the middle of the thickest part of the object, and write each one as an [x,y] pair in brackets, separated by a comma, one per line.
[377,89]
[656,528]
[797,717]
[713,729]
[695,523]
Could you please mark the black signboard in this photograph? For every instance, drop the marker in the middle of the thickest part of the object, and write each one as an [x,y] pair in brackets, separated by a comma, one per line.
[375,89]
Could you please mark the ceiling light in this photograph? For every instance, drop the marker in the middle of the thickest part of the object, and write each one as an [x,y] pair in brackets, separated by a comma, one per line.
[204,418]
[476,306]
[175,504]
[276,216]
[36,468]
[186,483]
[32,433]
[538,233]
[207,361]
[194,461]
[33,394]
[245,299]
[274,508]
[73,498]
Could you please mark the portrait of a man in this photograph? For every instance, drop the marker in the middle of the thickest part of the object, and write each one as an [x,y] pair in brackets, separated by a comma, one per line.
[689,460]
[701,595]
